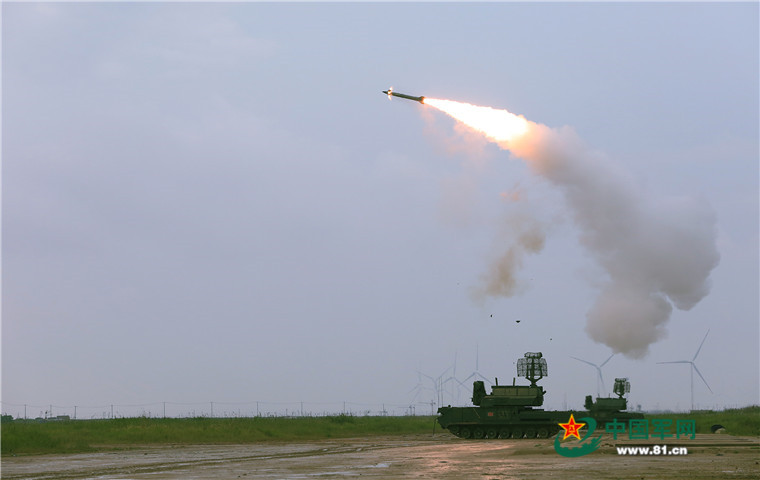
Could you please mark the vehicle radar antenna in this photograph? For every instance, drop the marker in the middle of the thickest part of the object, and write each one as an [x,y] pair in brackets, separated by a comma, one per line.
[533,367]
[622,386]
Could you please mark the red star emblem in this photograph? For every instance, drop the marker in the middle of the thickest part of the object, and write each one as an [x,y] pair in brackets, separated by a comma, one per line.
[571,428]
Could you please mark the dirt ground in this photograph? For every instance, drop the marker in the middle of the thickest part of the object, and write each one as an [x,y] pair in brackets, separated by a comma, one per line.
[440,456]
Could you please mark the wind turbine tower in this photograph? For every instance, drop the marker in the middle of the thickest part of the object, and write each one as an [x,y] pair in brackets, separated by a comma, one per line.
[694,369]
[600,379]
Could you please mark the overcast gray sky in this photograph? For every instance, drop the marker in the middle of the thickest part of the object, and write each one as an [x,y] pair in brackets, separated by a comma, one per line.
[214,202]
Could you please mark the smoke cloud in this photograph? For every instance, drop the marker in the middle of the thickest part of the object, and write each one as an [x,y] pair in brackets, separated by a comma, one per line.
[527,237]
[657,253]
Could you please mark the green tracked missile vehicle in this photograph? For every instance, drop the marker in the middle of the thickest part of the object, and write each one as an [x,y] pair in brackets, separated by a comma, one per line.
[511,411]
[605,410]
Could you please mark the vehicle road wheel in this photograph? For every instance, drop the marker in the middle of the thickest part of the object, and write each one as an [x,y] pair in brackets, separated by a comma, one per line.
[492,433]
[530,432]
[505,433]
[543,433]
[465,432]
[517,433]
[477,433]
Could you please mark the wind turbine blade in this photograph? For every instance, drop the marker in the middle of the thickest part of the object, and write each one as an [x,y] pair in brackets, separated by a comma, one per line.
[417,390]
[700,345]
[584,361]
[703,378]
[605,362]
[485,379]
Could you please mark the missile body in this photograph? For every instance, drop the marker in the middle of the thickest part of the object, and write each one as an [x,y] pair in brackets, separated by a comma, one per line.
[391,93]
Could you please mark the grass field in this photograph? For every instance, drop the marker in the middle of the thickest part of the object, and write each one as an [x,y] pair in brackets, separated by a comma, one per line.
[739,421]
[28,437]
[91,435]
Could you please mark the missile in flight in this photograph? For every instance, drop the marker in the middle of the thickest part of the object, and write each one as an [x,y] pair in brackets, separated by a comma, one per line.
[391,93]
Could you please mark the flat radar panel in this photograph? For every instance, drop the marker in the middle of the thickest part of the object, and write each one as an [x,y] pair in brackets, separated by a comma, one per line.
[533,365]
[622,386]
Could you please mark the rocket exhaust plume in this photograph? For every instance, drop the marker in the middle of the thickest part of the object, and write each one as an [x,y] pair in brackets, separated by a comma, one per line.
[657,253]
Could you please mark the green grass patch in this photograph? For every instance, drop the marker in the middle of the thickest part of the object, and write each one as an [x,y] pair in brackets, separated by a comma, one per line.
[737,421]
[22,437]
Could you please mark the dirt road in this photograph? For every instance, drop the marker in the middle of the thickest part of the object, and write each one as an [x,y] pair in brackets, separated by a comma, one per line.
[421,456]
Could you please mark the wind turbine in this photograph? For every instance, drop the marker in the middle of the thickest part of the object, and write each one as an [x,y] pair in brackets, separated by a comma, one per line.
[598,370]
[476,373]
[417,388]
[457,384]
[693,369]
[438,384]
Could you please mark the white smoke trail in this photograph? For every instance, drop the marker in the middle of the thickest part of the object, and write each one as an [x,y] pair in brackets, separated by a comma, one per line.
[656,252]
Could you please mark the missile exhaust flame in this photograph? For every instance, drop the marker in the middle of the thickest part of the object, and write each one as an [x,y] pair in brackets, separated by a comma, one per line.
[497,125]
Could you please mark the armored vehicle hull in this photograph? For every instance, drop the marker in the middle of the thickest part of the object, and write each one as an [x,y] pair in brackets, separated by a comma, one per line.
[500,422]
